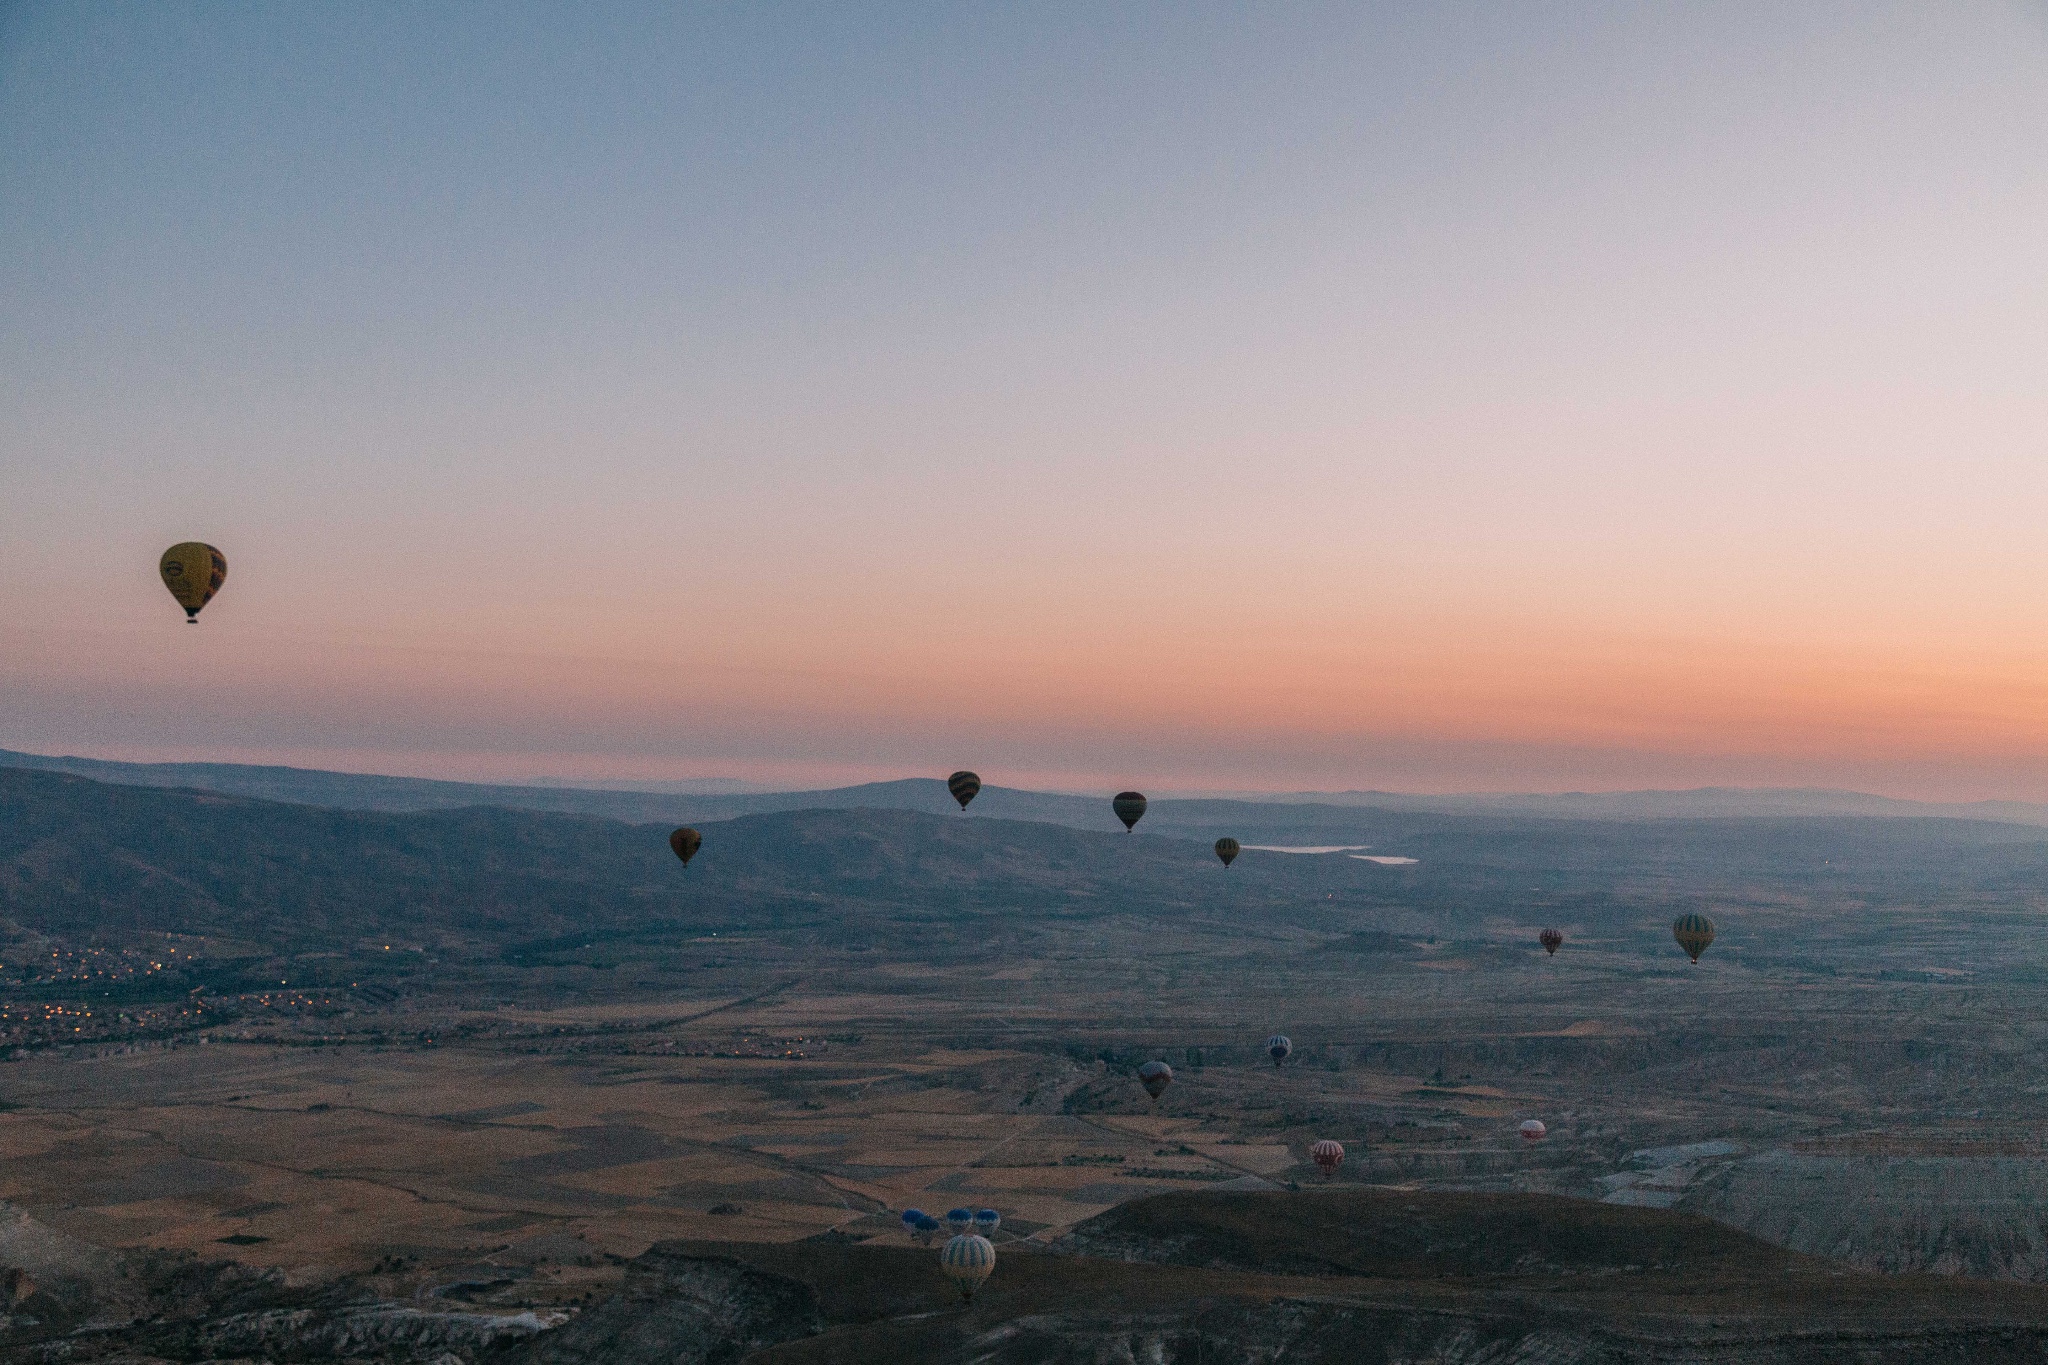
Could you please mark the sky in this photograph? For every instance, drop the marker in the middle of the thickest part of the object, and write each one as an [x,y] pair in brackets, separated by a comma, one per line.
[1448,397]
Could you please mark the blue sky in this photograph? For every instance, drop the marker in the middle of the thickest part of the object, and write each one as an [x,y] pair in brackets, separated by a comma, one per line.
[1642,392]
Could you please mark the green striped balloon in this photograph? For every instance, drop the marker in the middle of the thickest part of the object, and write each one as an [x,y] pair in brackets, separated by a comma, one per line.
[1694,933]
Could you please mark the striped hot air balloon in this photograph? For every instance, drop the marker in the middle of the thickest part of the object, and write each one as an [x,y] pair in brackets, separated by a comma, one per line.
[193,571]
[968,1260]
[1532,1130]
[1551,940]
[1279,1047]
[964,785]
[1694,933]
[1155,1077]
[1328,1156]
[1227,849]
[1129,808]
[685,842]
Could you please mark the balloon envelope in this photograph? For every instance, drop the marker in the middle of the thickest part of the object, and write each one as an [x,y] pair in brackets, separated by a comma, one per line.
[959,1219]
[968,1260]
[1129,807]
[1327,1155]
[1533,1130]
[1155,1077]
[1279,1047]
[986,1220]
[1227,850]
[193,571]
[686,842]
[964,785]
[1551,940]
[1694,933]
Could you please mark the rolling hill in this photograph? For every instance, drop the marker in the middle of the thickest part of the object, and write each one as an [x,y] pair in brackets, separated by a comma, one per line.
[1354,1275]
[79,857]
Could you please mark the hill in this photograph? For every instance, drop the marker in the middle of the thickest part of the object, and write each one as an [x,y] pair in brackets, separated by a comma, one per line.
[1447,1278]
[80,858]
[1406,1234]
[1454,1279]
[1298,817]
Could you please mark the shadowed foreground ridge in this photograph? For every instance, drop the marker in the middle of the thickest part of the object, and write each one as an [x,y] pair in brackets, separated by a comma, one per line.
[1344,1275]
[1405,1234]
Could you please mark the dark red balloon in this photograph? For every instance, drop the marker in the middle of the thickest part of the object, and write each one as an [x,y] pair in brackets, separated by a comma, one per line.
[686,842]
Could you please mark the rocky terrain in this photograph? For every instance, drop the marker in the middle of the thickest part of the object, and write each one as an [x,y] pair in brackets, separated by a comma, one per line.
[1336,1274]
[64,1299]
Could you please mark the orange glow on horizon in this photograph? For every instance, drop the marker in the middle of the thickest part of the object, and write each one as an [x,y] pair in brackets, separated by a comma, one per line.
[1555,708]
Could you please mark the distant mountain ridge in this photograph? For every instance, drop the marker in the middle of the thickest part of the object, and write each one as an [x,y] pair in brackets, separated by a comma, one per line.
[80,858]
[1188,816]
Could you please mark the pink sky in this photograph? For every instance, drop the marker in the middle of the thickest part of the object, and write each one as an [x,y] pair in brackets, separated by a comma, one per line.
[1438,401]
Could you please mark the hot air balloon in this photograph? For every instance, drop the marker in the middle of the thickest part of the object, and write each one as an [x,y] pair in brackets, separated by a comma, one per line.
[964,785]
[1279,1047]
[928,1227]
[685,842]
[1551,940]
[1328,1156]
[1228,849]
[967,1260]
[960,1220]
[1129,808]
[193,571]
[1694,933]
[910,1218]
[987,1221]
[1533,1130]
[1155,1077]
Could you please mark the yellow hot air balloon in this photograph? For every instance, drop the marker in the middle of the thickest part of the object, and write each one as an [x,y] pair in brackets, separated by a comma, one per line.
[193,571]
